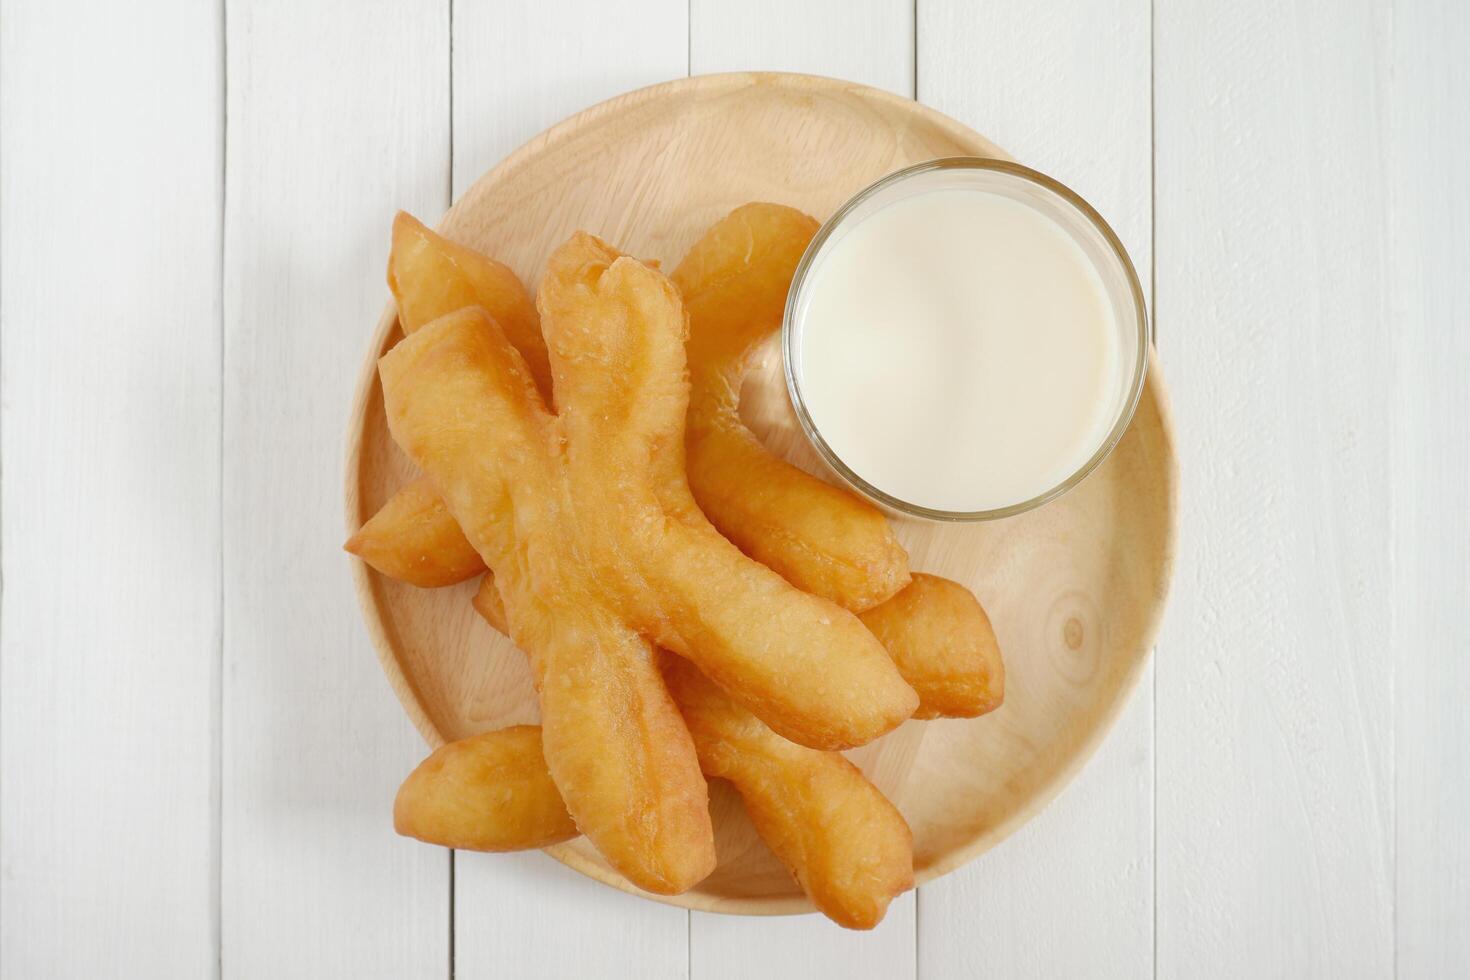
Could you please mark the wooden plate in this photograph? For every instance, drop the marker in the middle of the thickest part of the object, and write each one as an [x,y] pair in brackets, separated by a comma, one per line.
[1075,589]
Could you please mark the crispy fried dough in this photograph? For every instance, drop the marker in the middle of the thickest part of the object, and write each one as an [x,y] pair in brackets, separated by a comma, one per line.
[940,638]
[846,845]
[431,276]
[804,665]
[415,539]
[461,402]
[594,536]
[489,792]
[821,538]
[935,630]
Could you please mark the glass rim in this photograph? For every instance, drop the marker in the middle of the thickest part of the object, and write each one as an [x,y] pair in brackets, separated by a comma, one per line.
[1036,178]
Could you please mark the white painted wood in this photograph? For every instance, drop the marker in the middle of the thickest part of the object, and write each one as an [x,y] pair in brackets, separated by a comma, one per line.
[1071,893]
[796,947]
[1275,717]
[870,42]
[525,915]
[109,310]
[1064,87]
[338,114]
[519,68]
[1313,755]
[1429,319]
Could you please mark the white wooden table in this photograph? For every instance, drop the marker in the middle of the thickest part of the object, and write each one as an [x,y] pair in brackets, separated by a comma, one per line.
[197,748]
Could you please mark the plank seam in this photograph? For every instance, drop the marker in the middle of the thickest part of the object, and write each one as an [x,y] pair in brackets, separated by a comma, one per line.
[1153,320]
[2,498]
[449,165]
[914,79]
[453,951]
[217,692]
[1391,258]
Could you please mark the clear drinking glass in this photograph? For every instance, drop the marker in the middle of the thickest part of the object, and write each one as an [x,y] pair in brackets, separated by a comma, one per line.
[1062,205]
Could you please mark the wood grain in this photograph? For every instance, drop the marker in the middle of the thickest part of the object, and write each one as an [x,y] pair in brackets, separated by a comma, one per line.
[1430,467]
[109,308]
[511,918]
[520,67]
[338,113]
[871,42]
[1065,87]
[1074,598]
[524,915]
[867,41]
[795,947]
[1275,724]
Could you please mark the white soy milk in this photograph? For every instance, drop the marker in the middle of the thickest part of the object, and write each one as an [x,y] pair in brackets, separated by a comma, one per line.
[958,351]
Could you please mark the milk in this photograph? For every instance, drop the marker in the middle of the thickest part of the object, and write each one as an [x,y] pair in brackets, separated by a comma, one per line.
[957,349]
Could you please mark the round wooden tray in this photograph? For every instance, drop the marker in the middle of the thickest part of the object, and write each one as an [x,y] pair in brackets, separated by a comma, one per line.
[1075,589]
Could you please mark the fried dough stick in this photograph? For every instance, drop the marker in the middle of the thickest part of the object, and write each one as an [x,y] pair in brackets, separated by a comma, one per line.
[942,642]
[414,538]
[738,275]
[564,536]
[808,668]
[488,792]
[460,402]
[846,845]
[431,276]
[821,538]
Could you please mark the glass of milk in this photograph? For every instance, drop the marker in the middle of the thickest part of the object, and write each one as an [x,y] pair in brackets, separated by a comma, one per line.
[965,340]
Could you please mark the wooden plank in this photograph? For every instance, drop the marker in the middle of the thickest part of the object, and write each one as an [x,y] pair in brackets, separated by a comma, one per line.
[802,946]
[109,307]
[518,69]
[525,915]
[338,114]
[1430,471]
[1065,88]
[1275,722]
[1071,893]
[870,42]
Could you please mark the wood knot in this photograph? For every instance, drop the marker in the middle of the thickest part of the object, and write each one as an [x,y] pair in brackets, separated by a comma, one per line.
[1072,633]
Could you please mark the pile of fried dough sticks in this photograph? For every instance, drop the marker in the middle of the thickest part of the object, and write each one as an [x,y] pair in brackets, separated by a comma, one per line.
[689,604]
